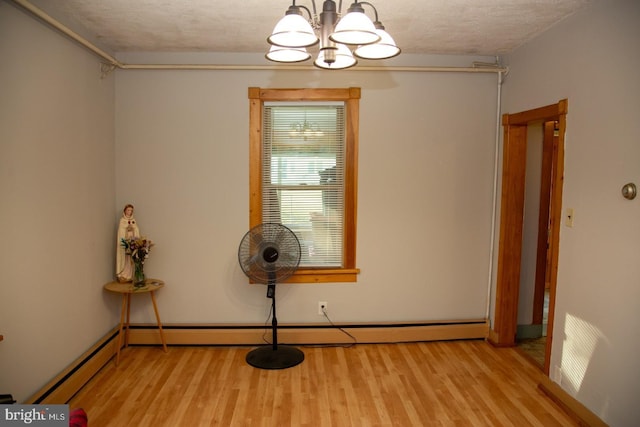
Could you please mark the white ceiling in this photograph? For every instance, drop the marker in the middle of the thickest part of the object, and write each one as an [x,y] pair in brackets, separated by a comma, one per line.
[476,27]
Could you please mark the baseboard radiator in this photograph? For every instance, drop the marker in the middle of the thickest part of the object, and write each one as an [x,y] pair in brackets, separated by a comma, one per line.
[62,388]
[224,334]
[66,384]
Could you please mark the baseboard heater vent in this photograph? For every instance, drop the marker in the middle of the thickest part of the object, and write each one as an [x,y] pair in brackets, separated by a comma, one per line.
[66,384]
[252,334]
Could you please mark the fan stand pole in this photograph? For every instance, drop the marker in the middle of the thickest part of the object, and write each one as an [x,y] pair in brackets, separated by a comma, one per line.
[271,293]
[274,356]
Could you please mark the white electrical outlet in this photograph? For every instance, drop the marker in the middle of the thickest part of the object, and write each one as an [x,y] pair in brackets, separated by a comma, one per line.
[322,307]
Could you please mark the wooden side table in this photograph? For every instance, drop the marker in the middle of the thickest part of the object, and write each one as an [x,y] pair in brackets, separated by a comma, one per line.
[127,289]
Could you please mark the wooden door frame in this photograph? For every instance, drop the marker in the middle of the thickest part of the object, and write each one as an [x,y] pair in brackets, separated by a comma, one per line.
[503,331]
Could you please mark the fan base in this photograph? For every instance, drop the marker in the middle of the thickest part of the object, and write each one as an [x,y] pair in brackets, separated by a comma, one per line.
[282,357]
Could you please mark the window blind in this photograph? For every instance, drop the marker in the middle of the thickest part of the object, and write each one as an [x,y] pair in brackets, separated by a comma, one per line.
[303,176]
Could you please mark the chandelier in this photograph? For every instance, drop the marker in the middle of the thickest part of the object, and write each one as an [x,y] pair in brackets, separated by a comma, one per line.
[305,130]
[337,36]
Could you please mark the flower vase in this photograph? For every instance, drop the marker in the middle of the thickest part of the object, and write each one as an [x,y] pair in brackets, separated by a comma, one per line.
[138,274]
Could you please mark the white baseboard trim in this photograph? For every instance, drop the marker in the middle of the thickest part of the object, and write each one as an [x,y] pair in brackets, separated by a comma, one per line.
[580,413]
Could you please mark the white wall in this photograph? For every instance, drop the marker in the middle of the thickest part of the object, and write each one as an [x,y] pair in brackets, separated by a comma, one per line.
[593,58]
[57,211]
[425,181]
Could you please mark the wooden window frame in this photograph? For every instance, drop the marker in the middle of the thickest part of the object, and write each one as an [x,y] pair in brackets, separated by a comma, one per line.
[351,97]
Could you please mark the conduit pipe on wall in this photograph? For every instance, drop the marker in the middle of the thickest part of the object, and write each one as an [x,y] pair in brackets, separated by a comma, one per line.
[494,208]
[304,67]
[112,63]
[39,13]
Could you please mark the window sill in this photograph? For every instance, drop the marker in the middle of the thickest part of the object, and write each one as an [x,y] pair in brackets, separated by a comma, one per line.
[324,275]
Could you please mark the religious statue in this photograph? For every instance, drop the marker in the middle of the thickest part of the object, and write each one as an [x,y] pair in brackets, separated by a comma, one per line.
[127,229]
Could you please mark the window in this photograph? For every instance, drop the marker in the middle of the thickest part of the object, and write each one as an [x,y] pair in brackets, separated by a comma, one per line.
[303,174]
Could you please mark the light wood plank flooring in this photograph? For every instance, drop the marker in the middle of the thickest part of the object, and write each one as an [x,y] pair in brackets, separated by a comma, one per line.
[456,383]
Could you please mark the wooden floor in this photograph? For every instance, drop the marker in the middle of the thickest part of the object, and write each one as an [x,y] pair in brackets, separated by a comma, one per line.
[534,348]
[457,383]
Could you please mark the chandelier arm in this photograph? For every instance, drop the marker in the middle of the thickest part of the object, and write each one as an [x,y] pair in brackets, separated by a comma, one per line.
[307,9]
[313,17]
[375,11]
[315,20]
[315,11]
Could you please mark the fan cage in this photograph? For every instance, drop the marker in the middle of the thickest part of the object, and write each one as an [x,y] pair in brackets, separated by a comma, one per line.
[269,237]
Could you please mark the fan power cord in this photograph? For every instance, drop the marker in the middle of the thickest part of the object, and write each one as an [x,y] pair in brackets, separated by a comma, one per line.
[267,327]
[326,315]
[353,339]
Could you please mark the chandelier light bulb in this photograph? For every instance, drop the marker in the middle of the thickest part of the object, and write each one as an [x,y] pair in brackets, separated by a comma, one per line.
[385,48]
[293,31]
[288,54]
[355,28]
[335,58]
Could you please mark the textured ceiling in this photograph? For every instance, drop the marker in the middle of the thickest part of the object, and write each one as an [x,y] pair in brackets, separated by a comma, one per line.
[478,27]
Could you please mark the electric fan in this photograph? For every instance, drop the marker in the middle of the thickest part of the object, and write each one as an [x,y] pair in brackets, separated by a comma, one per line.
[269,253]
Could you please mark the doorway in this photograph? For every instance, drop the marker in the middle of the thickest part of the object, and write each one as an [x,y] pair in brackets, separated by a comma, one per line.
[503,331]
[533,295]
